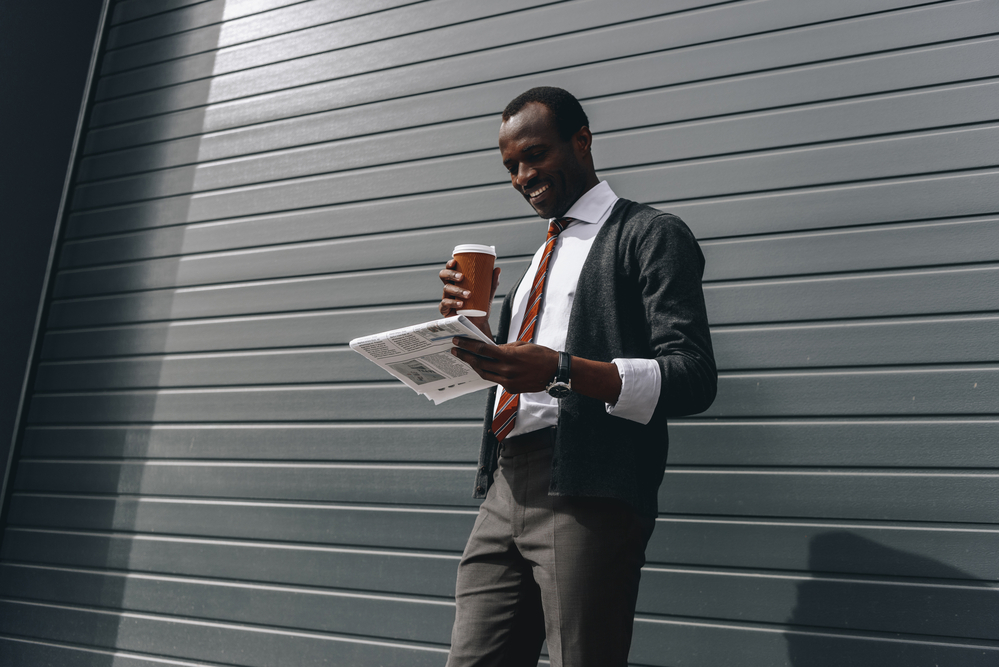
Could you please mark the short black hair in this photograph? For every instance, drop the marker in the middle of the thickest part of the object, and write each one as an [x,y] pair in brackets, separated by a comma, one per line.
[566,111]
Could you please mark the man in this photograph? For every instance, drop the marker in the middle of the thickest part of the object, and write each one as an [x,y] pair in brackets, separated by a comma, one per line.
[604,340]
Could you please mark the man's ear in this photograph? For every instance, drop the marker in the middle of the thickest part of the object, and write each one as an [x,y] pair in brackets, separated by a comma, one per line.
[582,141]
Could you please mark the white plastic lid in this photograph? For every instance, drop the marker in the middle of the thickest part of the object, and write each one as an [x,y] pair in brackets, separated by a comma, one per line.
[475,247]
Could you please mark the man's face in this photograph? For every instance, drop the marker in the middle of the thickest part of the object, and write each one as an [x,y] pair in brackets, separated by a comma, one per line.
[550,173]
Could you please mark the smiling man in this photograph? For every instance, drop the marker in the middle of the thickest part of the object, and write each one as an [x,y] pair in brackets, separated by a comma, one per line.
[604,340]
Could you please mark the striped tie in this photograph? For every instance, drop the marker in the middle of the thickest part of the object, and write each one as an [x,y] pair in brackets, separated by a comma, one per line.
[506,414]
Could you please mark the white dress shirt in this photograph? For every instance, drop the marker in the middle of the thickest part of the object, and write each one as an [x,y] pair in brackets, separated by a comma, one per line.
[640,378]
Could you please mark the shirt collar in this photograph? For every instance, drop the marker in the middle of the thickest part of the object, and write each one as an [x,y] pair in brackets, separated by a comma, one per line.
[594,205]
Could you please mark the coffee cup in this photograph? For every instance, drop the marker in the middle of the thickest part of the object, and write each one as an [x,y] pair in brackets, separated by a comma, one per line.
[476,263]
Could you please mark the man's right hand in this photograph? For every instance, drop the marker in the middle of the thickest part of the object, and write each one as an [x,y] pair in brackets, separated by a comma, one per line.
[455,295]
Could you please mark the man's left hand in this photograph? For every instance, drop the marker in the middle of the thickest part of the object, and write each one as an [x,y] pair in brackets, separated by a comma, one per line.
[521,368]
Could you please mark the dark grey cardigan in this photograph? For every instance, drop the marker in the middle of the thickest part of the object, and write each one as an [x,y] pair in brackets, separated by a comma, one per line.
[639,295]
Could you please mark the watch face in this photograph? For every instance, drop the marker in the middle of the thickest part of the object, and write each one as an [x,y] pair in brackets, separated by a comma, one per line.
[559,390]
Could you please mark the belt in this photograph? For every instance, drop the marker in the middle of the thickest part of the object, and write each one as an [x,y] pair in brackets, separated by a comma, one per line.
[528,442]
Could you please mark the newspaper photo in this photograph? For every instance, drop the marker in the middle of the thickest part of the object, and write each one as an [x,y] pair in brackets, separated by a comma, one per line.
[420,356]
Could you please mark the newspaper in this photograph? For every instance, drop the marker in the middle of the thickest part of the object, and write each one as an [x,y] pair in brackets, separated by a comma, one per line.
[420,356]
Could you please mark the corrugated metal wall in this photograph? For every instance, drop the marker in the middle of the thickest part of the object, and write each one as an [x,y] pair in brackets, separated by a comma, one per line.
[208,474]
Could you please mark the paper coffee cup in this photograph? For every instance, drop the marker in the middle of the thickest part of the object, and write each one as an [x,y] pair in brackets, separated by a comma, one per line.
[476,263]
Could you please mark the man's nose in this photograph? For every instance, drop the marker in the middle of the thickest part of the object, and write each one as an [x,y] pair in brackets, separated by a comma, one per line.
[525,175]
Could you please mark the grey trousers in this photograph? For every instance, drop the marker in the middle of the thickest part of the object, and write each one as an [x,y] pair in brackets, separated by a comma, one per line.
[540,566]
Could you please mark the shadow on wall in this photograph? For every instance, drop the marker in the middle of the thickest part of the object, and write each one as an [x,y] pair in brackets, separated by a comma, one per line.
[79,491]
[943,604]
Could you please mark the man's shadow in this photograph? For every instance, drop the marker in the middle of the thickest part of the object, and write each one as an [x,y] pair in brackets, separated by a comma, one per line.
[924,613]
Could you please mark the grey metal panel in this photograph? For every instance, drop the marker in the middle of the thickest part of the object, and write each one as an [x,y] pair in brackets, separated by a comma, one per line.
[344,402]
[891,391]
[855,249]
[878,495]
[274,296]
[220,137]
[453,207]
[345,568]
[512,239]
[454,135]
[183,637]
[711,26]
[858,249]
[490,203]
[927,197]
[243,22]
[652,70]
[436,529]
[130,10]
[876,294]
[323,610]
[309,365]
[21,651]
[306,36]
[425,484]
[701,643]
[385,441]
[919,550]
[973,147]
[304,328]
[945,339]
[256,142]
[943,609]
[950,442]
[181,18]
[970,103]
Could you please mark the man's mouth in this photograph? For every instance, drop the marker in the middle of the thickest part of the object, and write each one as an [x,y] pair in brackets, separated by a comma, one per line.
[540,191]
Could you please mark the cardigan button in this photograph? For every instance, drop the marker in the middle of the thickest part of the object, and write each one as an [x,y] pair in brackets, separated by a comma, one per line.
[478,489]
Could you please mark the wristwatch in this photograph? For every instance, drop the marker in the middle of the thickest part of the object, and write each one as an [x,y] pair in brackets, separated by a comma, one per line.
[561,386]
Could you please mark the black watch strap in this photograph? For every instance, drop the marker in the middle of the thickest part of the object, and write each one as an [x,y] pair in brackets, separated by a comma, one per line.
[564,367]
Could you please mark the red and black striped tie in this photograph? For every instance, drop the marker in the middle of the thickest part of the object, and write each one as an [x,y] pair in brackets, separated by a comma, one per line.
[506,413]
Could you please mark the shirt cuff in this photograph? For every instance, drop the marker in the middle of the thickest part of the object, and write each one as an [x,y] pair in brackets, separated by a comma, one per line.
[641,381]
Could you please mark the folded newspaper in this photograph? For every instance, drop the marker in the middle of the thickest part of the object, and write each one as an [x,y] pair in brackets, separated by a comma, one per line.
[420,356]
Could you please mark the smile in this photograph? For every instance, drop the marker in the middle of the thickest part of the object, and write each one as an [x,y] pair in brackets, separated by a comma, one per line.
[540,191]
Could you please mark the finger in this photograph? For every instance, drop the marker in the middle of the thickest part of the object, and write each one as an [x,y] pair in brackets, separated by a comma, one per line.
[448,305]
[448,276]
[455,292]
[478,360]
[481,365]
[474,346]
